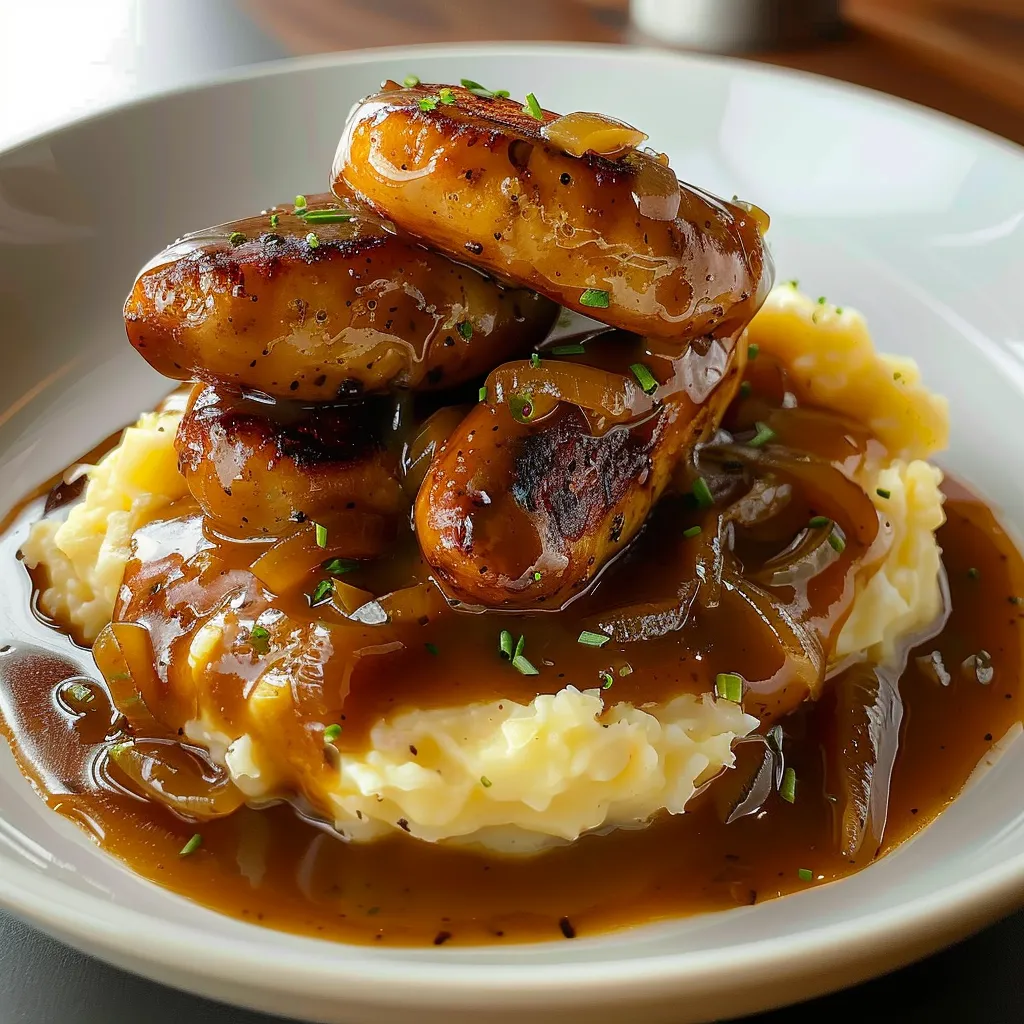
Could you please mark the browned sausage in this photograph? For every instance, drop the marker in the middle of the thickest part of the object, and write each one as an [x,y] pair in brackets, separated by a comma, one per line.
[525,514]
[483,181]
[256,468]
[302,308]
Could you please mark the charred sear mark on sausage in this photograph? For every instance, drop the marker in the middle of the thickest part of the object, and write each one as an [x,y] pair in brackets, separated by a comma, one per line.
[307,436]
[574,478]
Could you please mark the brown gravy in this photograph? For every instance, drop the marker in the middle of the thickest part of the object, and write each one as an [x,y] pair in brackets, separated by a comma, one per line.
[277,868]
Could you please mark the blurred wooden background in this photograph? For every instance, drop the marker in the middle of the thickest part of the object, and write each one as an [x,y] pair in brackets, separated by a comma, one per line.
[963,57]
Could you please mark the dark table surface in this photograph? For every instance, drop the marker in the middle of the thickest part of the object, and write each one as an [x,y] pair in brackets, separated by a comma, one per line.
[43,982]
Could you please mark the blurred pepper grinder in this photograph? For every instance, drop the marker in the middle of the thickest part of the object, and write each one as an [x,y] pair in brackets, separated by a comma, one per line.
[733,26]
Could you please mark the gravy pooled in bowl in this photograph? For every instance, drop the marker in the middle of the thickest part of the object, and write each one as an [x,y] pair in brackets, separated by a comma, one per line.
[594,627]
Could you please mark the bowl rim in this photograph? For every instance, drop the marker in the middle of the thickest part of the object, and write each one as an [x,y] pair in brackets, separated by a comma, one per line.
[907,929]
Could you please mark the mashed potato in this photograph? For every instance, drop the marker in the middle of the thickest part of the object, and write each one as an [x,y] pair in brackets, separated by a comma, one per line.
[518,777]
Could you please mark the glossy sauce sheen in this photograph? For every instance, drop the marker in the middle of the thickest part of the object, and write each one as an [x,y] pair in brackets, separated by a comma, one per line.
[274,867]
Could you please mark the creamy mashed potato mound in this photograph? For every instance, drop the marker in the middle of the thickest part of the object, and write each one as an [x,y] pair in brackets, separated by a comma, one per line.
[519,777]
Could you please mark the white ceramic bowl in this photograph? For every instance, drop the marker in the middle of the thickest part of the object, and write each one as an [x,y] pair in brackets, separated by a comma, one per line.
[913,218]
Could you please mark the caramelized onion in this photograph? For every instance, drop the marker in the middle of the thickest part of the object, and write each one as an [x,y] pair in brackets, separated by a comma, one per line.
[618,399]
[418,453]
[744,788]
[582,132]
[650,619]
[862,737]
[421,603]
[177,777]
[123,653]
[288,563]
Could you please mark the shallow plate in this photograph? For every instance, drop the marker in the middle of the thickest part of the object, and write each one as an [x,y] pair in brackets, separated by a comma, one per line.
[915,219]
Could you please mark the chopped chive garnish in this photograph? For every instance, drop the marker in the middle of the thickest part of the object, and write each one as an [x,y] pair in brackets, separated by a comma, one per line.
[745,388]
[836,542]
[974,574]
[568,350]
[410,81]
[691,531]
[788,788]
[524,666]
[839,310]
[259,639]
[591,639]
[626,670]
[465,328]
[431,648]
[606,680]
[505,644]
[485,782]
[81,693]
[532,107]
[312,240]
[817,522]
[321,593]
[702,493]
[644,378]
[536,576]
[320,531]
[521,408]
[337,566]
[482,394]
[535,359]
[794,283]
[821,300]
[428,103]
[729,686]
[300,202]
[897,375]
[478,90]
[237,238]
[191,846]
[763,436]
[752,351]
[520,646]
[882,492]
[596,298]
[805,875]
[331,733]
[446,96]
[327,217]
[273,220]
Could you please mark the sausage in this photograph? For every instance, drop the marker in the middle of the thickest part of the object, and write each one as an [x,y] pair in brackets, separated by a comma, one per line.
[257,468]
[617,237]
[300,308]
[525,515]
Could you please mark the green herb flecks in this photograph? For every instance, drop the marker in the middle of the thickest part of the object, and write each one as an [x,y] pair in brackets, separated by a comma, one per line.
[644,378]
[482,394]
[702,493]
[788,788]
[259,639]
[331,733]
[817,522]
[836,541]
[337,566]
[805,875]
[428,103]
[191,846]
[237,238]
[567,350]
[327,216]
[446,97]
[532,107]
[478,90]
[312,240]
[320,533]
[485,782]
[431,648]
[300,203]
[505,645]
[729,686]
[535,359]
[606,680]
[321,593]
[410,81]
[882,492]
[521,407]
[752,352]
[465,328]
[691,531]
[595,298]
[591,639]
[762,437]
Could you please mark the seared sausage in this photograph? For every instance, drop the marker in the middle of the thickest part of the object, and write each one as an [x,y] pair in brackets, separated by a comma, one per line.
[257,468]
[305,308]
[525,514]
[617,237]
